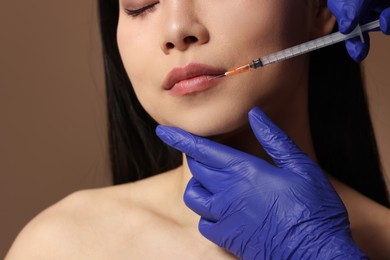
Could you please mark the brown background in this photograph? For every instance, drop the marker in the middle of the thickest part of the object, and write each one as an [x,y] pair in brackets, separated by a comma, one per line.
[52,106]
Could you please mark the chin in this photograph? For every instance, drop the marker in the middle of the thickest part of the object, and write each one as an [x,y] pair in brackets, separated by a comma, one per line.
[214,112]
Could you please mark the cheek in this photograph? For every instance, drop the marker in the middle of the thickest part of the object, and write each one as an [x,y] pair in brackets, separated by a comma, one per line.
[137,48]
[267,26]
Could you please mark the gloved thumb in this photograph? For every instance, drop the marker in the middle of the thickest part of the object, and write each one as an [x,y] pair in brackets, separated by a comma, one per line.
[278,145]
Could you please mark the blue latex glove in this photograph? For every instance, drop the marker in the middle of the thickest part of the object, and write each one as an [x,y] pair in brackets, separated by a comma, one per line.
[260,211]
[350,13]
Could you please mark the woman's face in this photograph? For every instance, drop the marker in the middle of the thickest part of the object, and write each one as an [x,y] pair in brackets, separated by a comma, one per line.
[170,49]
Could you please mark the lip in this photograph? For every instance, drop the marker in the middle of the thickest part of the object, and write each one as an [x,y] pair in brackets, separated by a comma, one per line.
[191,78]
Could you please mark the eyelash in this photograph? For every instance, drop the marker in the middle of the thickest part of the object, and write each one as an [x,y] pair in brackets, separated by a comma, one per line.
[140,11]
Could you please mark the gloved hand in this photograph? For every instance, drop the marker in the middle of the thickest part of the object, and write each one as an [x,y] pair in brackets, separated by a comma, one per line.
[260,211]
[350,13]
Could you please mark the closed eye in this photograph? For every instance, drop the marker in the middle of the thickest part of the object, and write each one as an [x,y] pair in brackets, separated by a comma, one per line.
[141,10]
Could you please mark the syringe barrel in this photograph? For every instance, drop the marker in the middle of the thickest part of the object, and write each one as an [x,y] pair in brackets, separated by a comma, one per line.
[314,44]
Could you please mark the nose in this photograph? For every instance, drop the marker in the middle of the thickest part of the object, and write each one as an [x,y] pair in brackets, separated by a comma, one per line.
[182,29]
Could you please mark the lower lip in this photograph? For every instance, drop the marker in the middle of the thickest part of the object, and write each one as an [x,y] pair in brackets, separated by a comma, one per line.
[193,85]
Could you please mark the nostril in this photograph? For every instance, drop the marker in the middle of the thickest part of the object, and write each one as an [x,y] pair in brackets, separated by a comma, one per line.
[183,44]
[190,39]
[170,45]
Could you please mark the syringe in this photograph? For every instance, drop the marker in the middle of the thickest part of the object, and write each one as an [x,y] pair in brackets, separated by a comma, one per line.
[301,49]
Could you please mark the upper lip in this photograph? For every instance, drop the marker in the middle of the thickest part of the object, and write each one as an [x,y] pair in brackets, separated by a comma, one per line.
[189,71]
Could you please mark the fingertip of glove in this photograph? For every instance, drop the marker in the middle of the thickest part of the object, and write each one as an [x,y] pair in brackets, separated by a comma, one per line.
[260,124]
[177,138]
[165,134]
[161,130]
[170,135]
[357,50]
[345,13]
[349,21]
[384,21]
[257,115]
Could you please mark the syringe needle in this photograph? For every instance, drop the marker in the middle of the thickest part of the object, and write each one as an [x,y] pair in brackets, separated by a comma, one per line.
[237,70]
[219,76]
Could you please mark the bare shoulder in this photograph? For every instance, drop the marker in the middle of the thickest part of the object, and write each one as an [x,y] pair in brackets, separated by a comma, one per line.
[80,225]
[142,220]
[369,221]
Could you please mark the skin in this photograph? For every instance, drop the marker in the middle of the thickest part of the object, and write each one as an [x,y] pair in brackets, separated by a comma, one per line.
[148,219]
[215,39]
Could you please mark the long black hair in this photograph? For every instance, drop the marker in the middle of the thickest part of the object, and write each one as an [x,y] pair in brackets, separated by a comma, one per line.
[341,125]
[340,121]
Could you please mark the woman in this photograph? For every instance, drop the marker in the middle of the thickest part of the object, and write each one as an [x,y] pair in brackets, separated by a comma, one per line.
[161,46]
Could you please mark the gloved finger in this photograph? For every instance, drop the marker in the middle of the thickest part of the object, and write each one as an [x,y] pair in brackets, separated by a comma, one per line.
[358,50]
[206,228]
[213,180]
[226,235]
[347,13]
[385,21]
[199,200]
[278,145]
[219,180]
[205,151]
